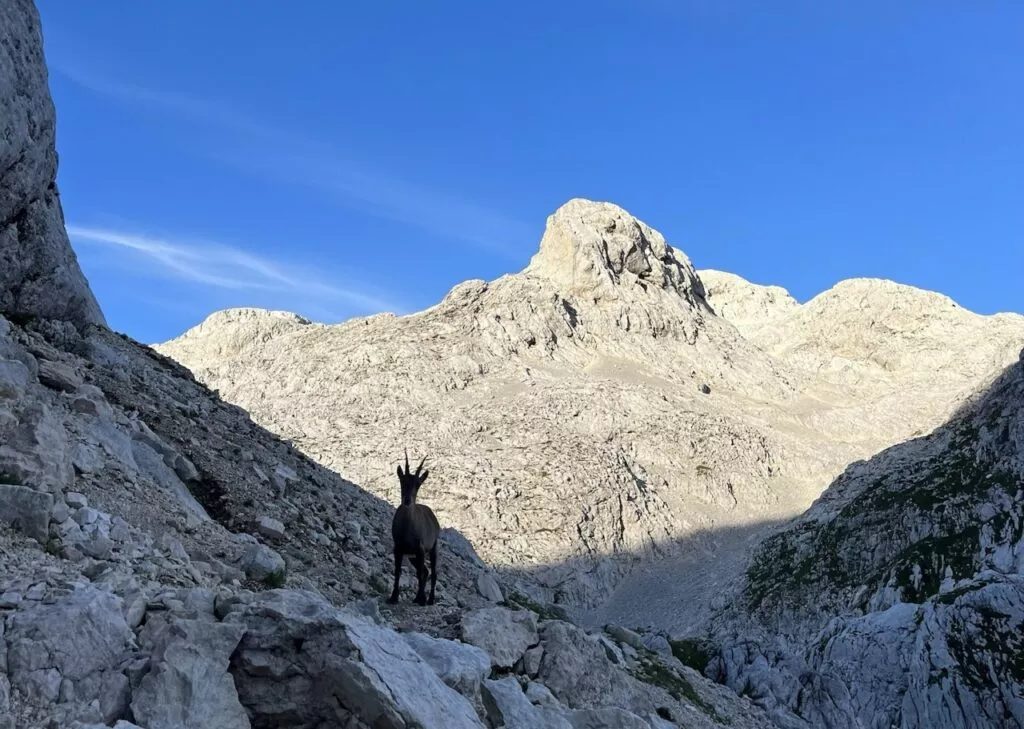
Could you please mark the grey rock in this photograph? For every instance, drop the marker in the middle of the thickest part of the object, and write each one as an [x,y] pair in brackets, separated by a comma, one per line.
[354,530]
[270,527]
[608,717]
[625,635]
[612,650]
[97,546]
[26,509]
[85,516]
[39,274]
[531,661]
[81,638]
[283,478]
[58,376]
[306,663]
[459,665]
[507,706]
[135,610]
[14,379]
[5,695]
[185,469]
[76,500]
[189,686]
[60,512]
[658,643]
[114,695]
[504,634]
[487,586]
[260,562]
[120,531]
[540,695]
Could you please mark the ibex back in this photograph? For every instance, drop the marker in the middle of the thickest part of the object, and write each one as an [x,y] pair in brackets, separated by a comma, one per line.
[415,531]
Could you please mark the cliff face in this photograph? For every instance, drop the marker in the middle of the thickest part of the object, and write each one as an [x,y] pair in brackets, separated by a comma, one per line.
[39,273]
[898,598]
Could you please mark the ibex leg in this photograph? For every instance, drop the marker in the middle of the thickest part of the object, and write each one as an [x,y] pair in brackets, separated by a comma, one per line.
[433,573]
[398,575]
[421,575]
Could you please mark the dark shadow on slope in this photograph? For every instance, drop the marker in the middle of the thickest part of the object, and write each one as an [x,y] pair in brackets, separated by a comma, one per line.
[931,508]
[223,442]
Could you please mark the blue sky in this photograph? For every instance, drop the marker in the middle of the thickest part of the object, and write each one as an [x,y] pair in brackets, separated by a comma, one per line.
[338,159]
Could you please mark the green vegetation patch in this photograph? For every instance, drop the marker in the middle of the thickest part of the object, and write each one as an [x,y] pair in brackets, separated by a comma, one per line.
[545,612]
[654,672]
[941,496]
[693,652]
[274,580]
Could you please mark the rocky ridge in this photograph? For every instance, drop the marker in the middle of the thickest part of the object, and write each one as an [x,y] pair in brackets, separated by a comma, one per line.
[166,563]
[595,414]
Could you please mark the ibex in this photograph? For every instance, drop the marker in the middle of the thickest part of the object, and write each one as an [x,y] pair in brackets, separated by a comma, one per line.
[415,531]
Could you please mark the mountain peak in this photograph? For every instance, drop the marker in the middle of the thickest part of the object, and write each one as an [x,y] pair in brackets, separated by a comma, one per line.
[598,248]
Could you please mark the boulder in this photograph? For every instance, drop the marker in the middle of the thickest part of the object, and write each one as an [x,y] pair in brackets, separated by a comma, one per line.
[27,509]
[72,647]
[507,706]
[14,379]
[188,685]
[504,634]
[270,527]
[259,562]
[461,666]
[58,376]
[487,586]
[625,635]
[76,500]
[302,662]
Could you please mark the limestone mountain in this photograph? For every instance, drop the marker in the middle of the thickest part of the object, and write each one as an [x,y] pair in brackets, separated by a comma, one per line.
[607,407]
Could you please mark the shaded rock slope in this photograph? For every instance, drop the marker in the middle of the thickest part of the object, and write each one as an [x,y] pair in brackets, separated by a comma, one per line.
[898,598]
[166,563]
[596,412]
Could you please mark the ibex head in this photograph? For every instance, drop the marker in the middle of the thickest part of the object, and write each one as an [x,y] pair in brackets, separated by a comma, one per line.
[411,481]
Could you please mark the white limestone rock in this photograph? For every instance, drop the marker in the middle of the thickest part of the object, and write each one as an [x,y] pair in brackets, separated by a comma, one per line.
[502,633]
[459,665]
[188,685]
[304,662]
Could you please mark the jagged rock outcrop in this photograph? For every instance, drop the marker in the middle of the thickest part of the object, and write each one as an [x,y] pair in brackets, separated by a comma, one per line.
[39,273]
[897,599]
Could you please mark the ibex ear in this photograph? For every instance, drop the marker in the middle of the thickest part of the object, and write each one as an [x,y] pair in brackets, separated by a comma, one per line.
[423,476]
[399,471]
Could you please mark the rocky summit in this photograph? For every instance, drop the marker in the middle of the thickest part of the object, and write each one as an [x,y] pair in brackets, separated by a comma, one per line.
[670,497]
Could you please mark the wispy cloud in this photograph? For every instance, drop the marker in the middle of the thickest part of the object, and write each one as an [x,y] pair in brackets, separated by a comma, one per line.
[290,158]
[227,268]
